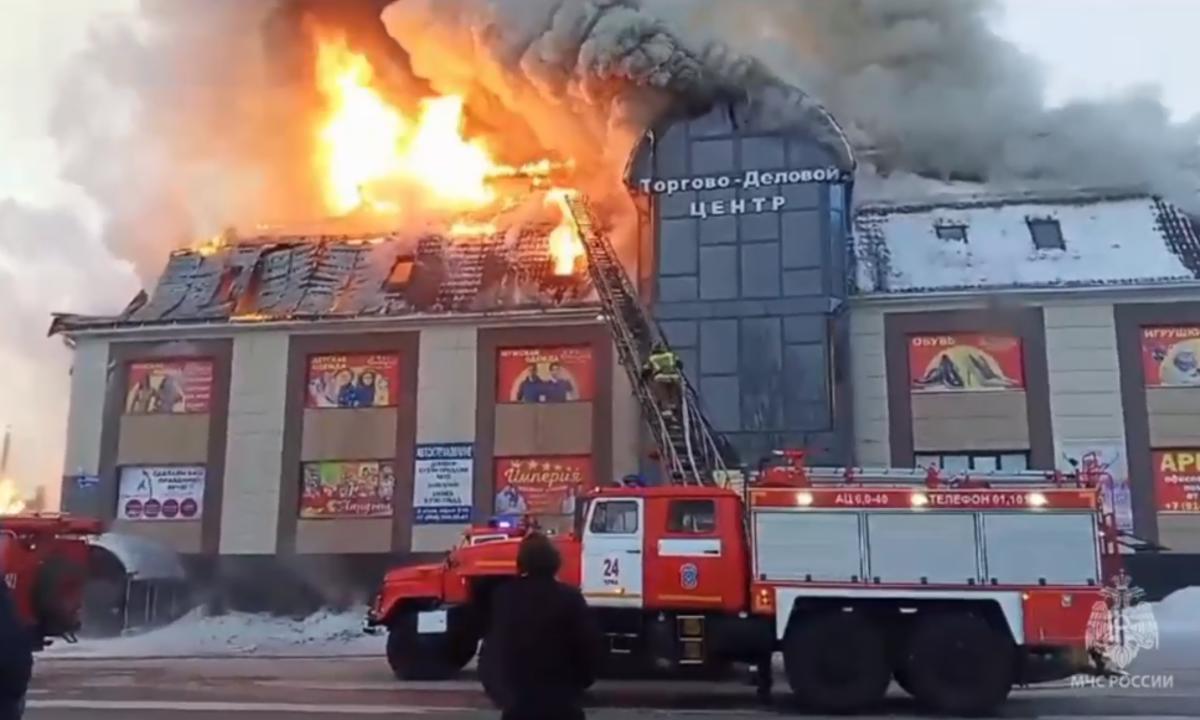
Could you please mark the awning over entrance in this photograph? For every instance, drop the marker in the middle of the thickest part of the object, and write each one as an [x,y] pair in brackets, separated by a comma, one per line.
[143,559]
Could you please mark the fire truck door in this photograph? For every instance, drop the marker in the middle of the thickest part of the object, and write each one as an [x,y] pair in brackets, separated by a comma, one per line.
[613,552]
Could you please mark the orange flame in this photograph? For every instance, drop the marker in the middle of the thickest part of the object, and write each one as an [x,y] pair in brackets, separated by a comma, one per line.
[11,502]
[565,245]
[365,142]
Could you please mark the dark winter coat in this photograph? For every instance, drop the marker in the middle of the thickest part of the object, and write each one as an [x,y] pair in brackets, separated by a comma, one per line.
[542,651]
[16,656]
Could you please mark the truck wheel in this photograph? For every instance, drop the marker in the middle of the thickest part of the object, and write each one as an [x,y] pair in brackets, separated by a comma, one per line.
[836,662]
[959,664]
[413,656]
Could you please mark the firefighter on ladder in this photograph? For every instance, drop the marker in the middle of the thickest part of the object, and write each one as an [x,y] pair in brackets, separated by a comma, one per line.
[663,368]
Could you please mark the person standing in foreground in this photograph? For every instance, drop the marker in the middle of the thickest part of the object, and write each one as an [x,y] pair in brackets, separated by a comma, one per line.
[16,657]
[542,652]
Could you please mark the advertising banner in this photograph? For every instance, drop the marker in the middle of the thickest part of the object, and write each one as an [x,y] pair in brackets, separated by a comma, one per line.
[169,387]
[442,483]
[1177,480]
[160,493]
[353,381]
[347,489]
[1171,356]
[545,375]
[1103,464]
[953,362]
[541,486]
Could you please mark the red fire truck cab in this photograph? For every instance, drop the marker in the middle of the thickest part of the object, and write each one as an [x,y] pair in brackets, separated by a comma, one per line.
[956,590]
[44,558]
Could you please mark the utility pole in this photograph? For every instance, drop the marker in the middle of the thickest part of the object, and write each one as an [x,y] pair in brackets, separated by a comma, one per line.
[4,451]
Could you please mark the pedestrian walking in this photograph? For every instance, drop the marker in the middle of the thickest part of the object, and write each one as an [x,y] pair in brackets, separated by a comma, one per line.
[16,657]
[542,651]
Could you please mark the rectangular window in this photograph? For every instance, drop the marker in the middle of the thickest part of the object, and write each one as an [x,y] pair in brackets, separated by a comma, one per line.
[615,517]
[368,380]
[545,375]
[169,387]
[1047,234]
[966,461]
[952,233]
[695,517]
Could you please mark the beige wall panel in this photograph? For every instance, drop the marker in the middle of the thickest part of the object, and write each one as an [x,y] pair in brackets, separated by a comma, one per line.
[446,385]
[868,383]
[85,417]
[254,444]
[163,440]
[1179,532]
[360,535]
[564,429]
[1174,417]
[182,537]
[626,423]
[345,434]
[970,421]
[436,538]
[516,430]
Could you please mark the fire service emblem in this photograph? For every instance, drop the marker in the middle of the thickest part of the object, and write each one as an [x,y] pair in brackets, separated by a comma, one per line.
[689,576]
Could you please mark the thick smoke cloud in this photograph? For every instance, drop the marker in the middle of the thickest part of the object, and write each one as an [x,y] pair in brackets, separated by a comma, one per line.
[926,87]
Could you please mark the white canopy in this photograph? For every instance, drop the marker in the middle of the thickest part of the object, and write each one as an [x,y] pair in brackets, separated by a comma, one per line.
[144,559]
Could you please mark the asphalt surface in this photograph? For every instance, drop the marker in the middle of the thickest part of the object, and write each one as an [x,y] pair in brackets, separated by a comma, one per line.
[1165,686]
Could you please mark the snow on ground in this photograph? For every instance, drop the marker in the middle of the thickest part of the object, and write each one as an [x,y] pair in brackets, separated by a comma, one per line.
[323,634]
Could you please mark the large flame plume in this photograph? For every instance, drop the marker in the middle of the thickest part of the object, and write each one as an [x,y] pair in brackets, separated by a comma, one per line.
[371,156]
[11,501]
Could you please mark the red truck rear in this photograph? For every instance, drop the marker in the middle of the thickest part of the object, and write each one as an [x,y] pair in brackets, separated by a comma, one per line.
[948,590]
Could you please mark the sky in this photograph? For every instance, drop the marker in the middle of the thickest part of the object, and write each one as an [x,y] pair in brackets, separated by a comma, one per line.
[1089,49]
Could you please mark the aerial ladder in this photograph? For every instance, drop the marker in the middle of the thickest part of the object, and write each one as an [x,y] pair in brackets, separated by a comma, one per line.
[690,452]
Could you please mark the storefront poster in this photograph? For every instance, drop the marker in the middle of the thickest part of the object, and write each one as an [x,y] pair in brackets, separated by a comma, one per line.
[1104,465]
[541,485]
[952,362]
[1177,480]
[169,387]
[353,381]
[347,489]
[161,493]
[1171,356]
[545,375]
[442,483]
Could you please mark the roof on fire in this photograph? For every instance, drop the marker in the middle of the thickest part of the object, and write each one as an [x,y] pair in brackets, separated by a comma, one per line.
[1103,238]
[294,277]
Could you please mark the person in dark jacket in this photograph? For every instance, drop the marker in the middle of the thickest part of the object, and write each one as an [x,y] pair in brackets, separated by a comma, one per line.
[542,652]
[16,658]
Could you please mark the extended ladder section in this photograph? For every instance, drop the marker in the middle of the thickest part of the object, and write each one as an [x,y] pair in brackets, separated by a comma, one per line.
[688,448]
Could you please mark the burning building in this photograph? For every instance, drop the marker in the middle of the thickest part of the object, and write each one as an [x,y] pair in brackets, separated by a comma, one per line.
[309,400]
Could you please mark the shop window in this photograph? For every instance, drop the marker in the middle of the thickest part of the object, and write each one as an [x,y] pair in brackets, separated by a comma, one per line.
[694,517]
[957,462]
[615,517]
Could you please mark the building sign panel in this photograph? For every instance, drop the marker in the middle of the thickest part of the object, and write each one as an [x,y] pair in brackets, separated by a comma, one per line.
[443,482]
[545,375]
[749,180]
[161,493]
[1177,480]
[1171,356]
[347,489]
[954,362]
[353,381]
[169,387]
[541,485]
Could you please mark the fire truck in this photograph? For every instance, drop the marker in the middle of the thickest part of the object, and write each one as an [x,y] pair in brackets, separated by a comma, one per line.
[44,558]
[955,587]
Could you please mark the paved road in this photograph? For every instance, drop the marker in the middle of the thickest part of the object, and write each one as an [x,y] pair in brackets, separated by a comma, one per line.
[343,688]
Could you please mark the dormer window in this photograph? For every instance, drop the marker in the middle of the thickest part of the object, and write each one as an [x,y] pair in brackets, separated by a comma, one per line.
[1047,234]
[952,233]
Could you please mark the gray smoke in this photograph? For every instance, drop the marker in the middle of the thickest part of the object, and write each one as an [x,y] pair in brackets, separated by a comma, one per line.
[925,87]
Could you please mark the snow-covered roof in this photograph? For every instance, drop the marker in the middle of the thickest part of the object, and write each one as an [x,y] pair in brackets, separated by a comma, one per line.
[143,559]
[1109,238]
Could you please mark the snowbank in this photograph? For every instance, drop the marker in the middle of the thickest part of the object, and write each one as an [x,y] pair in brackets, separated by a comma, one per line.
[1179,614]
[323,634]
